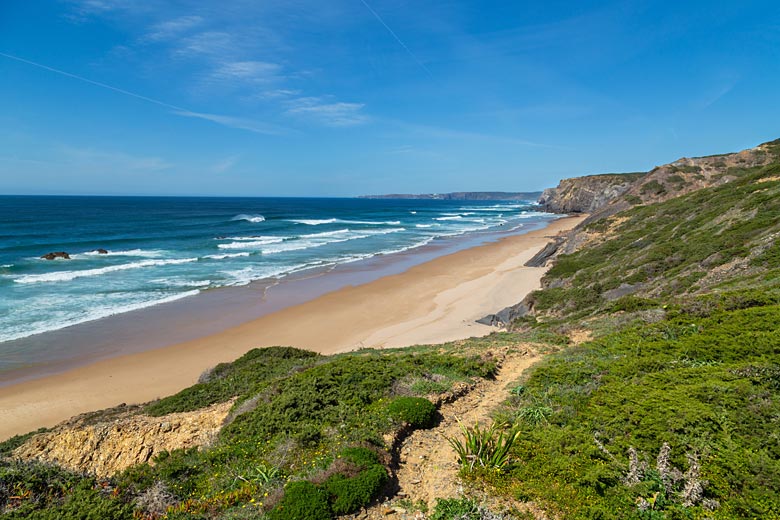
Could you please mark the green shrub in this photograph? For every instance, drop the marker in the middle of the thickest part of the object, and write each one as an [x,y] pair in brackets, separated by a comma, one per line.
[302,501]
[348,495]
[361,457]
[227,380]
[83,502]
[417,411]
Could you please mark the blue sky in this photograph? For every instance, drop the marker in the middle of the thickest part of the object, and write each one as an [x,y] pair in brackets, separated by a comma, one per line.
[349,97]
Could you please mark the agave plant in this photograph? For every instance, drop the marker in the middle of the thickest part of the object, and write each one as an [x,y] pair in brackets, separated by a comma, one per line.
[487,447]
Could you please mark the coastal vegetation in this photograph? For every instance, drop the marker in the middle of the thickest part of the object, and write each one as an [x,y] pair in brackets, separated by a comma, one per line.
[658,396]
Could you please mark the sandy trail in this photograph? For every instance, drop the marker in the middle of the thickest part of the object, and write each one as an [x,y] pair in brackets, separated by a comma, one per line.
[428,468]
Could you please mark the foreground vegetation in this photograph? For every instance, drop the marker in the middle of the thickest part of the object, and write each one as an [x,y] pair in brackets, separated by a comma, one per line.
[304,440]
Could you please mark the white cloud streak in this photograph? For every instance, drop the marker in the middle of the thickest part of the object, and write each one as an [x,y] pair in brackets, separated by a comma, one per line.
[338,114]
[173,28]
[229,121]
[115,161]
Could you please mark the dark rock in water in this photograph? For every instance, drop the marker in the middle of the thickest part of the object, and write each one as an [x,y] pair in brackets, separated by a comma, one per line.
[100,251]
[55,255]
[540,258]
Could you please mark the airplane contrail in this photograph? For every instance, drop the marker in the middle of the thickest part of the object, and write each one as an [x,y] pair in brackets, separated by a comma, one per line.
[400,42]
[93,82]
[232,122]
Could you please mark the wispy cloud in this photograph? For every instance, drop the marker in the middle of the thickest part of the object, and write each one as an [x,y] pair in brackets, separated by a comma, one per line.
[240,123]
[225,164]
[246,72]
[213,44]
[232,55]
[336,114]
[113,161]
[174,28]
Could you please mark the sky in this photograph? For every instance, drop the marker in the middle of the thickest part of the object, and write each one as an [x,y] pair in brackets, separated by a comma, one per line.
[350,97]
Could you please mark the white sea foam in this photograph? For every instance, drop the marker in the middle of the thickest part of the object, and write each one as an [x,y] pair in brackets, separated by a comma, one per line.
[143,253]
[319,222]
[326,234]
[300,245]
[371,222]
[255,219]
[323,239]
[533,214]
[248,238]
[254,244]
[95,312]
[250,274]
[424,225]
[227,255]
[65,276]
[314,222]
[180,282]
[449,217]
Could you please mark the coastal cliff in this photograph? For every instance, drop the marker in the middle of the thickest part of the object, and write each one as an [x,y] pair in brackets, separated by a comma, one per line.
[607,194]
[586,194]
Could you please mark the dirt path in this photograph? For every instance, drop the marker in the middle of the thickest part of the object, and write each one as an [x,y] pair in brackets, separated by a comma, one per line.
[428,468]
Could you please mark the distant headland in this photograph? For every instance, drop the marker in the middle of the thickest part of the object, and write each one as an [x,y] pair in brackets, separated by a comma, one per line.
[462,195]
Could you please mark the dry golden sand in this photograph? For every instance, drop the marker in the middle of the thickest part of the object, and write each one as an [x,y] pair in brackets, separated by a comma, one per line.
[433,302]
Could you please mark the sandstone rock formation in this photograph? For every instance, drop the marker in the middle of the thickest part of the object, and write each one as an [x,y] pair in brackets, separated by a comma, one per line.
[104,447]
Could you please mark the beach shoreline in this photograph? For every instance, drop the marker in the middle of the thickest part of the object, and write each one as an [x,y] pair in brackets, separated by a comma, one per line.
[432,302]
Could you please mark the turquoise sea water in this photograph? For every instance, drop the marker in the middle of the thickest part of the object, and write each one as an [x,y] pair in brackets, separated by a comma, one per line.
[164,249]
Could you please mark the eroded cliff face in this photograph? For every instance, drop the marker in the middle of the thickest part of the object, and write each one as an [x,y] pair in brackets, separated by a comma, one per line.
[586,194]
[605,195]
[123,439]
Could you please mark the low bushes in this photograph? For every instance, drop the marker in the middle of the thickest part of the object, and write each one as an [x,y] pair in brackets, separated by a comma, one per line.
[416,411]
[358,479]
[302,501]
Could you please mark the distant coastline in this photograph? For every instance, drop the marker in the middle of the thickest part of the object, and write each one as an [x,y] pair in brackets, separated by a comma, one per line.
[461,195]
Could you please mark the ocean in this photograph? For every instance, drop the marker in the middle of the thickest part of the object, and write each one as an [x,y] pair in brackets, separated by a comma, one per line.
[161,249]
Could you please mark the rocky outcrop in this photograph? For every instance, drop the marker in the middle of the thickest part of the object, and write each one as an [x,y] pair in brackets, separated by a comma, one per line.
[605,195]
[55,255]
[586,194]
[100,251]
[103,447]
[540,258]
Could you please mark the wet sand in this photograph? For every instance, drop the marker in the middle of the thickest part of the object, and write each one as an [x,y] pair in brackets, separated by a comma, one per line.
[433,302]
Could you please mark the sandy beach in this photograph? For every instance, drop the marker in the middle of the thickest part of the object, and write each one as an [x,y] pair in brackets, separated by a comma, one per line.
[434,302]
